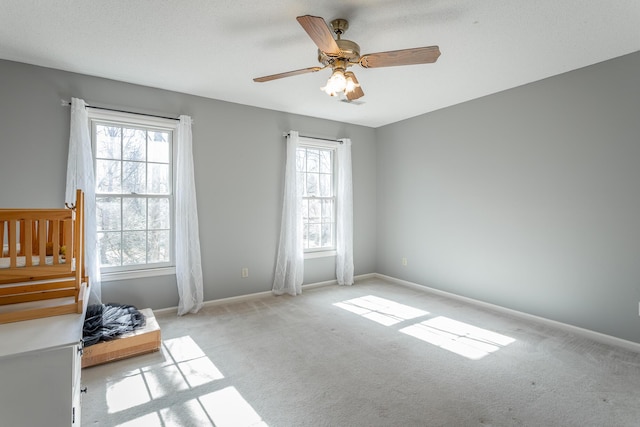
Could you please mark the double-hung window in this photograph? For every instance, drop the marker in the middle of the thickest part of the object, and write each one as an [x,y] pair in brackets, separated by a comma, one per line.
[134,191]
[315,166]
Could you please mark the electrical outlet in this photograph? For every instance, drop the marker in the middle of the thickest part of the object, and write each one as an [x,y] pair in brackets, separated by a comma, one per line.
[404,262]
[245,272]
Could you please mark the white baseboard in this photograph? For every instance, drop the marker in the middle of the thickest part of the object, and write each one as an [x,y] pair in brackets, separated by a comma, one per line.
[255,295]
[335,282]
[596,336]
[215,302]
[593,335]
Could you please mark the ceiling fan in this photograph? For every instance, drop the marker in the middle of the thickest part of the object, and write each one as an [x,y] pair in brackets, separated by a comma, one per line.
[340,54]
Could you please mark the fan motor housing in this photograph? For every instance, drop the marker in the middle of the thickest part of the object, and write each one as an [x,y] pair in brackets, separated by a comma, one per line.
[349,51]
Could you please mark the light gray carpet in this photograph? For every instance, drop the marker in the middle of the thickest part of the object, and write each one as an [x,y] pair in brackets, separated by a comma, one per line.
[385,355]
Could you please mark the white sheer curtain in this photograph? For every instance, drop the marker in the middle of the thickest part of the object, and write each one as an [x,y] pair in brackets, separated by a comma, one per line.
[80,175]
[188,259]
[290,262]
[344,215]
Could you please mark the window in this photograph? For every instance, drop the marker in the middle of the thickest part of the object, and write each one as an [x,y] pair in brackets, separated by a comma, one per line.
[315,165]
[134,190]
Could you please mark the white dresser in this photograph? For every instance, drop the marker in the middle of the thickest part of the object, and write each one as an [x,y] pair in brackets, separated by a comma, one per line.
[40,370]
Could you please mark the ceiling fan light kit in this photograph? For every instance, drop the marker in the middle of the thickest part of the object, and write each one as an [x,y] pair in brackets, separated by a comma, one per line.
[341,82]
[336,83]
[339,54]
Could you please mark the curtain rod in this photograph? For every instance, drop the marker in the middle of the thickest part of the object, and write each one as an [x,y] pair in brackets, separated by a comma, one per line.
[315,137]
[66,103]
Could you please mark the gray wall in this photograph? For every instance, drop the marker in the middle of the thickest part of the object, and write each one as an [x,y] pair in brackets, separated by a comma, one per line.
[239,157]
[529,199]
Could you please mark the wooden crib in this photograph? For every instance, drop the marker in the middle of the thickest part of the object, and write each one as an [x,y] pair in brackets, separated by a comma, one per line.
[42,262]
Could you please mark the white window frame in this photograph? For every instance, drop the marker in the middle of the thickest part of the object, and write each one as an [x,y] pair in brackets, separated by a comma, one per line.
[304,142]
[97,115]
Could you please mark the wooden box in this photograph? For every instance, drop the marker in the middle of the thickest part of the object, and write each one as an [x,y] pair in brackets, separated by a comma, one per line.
[140,341]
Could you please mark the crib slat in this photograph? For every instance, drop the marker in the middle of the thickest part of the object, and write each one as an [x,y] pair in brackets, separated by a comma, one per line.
[49,231]
[31,288]
[2,226]
[28,250]
[68,239]
[35,313]
[37,296]
[20,235]
[13,253]
[34,236]
[55,231]
[42,239]
[10,276]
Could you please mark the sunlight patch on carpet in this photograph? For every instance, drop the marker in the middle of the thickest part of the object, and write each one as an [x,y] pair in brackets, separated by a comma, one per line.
[147,420]
[200,371]
[127,393]
[183,348]
[381,310]
[165,381]
[183,414]
[186,366]
[461,338]
[227,408]
[189,413]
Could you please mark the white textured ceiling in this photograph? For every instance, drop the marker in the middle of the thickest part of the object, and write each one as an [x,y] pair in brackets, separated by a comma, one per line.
[215,48]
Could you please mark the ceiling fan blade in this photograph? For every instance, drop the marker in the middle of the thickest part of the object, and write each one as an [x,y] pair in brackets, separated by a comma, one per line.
[320,33]
[287,74]
[418,55]
[357,91]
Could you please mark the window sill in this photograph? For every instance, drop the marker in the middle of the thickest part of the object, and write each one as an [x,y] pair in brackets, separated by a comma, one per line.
[137,274]
[319,254]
